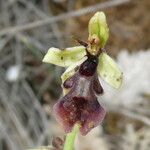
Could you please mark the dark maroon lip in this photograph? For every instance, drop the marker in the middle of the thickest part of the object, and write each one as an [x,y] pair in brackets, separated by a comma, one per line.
[80,104]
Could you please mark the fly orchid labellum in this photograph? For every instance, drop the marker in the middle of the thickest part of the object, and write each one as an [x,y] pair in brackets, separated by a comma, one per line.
[80,82]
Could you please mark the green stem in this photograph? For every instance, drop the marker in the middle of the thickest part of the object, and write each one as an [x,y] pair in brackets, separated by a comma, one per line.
[70,137]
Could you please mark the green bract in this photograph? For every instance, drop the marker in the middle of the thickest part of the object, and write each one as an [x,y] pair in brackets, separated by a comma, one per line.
[98,27]
[109,71]
[66,57]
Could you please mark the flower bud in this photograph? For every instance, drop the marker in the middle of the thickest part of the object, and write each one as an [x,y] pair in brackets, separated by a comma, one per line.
[98,28]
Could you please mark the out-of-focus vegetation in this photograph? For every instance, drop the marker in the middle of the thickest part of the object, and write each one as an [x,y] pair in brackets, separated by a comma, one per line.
[29,88]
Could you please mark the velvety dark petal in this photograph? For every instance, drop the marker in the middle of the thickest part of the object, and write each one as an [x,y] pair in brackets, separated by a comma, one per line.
[93,118]
[87,113]
[97,86]
[80,104]
[62,116]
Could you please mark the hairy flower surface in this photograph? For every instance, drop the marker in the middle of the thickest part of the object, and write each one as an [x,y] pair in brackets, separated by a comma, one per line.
[80,104]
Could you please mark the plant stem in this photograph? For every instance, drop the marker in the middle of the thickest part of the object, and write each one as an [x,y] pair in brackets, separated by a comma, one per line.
[70,137]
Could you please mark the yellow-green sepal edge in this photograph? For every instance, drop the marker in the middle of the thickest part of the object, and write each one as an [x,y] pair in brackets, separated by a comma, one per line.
[66,57]
[109,71]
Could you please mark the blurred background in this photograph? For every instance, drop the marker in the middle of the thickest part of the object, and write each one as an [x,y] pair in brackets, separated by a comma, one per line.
[29,88]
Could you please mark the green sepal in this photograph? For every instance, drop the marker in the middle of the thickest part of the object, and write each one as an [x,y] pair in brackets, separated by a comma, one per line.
[98,28]
[109,71]
[64,57]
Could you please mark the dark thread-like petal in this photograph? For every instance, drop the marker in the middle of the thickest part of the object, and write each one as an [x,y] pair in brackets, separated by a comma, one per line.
[97,86]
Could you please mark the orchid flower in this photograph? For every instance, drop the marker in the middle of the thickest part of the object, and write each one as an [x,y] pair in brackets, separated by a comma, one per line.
[84,64]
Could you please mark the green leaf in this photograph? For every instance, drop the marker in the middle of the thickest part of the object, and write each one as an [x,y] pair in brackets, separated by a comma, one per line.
[109,71]
[64,57]
[72,69]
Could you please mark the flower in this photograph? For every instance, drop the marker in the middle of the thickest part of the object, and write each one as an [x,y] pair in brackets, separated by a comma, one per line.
[80,83]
